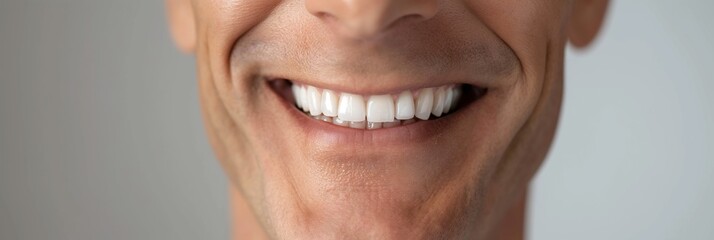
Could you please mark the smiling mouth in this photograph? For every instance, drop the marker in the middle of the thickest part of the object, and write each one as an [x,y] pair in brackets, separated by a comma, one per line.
[372,112]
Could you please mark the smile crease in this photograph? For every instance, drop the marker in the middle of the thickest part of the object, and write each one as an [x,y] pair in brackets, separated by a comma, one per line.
[376,111]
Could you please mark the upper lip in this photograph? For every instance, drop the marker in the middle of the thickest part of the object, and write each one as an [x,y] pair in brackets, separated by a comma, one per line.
[376,70]
[364,82]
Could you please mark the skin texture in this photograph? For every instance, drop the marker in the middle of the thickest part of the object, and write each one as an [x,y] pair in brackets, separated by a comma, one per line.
[461,177]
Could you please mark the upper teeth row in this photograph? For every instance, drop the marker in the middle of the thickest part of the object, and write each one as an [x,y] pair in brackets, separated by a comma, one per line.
[377,108]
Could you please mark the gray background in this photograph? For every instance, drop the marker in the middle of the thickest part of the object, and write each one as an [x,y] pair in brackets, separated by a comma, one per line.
[100,132]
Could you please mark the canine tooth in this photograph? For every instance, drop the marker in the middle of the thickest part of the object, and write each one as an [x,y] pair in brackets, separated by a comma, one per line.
[314,97]
[296,95]
[359,124]
[405,106]
[351,107]
[329,103]
[424,103]
[304,100]
[439,97]
[380,108]
[449,98]
[340,122]
[374,125]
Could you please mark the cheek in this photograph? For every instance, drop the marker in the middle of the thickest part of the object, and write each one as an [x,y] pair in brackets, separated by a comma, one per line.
[525,26]
[219,24]
[533,30]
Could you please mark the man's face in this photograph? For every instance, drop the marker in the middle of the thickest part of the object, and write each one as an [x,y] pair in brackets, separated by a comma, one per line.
[484,78]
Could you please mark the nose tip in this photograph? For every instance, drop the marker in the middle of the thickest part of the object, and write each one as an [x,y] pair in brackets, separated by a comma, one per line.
[365,18]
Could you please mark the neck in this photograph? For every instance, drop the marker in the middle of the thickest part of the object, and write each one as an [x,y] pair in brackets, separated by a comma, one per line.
[245,225]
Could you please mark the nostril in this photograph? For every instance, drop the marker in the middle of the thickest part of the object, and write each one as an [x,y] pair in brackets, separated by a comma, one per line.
[324,15]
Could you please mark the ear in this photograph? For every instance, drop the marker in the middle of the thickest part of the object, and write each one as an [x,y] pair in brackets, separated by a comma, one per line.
[586,20]
[182,24]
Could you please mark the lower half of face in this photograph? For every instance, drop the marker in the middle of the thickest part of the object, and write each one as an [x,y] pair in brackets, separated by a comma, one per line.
[430,127]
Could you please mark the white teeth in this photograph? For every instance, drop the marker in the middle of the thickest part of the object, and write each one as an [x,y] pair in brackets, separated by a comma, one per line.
[380,108]
[405,106]
[351,107]
[378,111]
[329,103]
[424,103]
[296,95]
[456,98]
[439,97]
[313,98]
[449,98]
[303,99]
